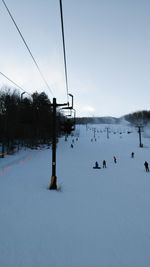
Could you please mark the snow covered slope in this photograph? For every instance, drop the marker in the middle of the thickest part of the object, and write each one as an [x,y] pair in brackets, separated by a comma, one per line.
[99,218]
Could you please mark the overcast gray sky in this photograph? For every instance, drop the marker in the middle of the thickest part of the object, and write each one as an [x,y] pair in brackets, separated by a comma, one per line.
[107,47]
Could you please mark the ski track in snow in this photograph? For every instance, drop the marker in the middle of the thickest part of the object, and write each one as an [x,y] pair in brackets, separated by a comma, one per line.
[19,159]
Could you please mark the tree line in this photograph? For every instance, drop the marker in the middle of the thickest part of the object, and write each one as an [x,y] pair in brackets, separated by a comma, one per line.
[138,117]
[26,121]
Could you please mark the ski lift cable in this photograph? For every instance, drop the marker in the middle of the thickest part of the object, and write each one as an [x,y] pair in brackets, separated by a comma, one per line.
[23,39]
[15,84]
[64,48]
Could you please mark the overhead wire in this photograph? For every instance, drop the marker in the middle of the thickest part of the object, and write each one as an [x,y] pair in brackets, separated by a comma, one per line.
[15,83]
[33,58]
[64,48]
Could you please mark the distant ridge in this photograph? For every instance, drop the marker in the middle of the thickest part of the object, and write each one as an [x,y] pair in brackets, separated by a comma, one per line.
[98,120]
[138,117]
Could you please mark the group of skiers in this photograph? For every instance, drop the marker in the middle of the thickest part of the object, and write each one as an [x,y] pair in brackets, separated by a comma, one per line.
[115,161]
[73,142]
[104,164]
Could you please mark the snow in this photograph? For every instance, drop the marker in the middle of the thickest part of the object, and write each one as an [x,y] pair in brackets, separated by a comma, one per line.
[98,218]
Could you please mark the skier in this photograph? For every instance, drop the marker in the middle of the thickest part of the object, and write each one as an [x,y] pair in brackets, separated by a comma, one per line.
[115,160]
[96,166]
[104,163]
[146,166]
[132,155]
[71,146]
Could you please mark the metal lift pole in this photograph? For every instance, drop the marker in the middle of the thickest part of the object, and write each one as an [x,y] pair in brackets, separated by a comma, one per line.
[107,133]
[139,131]
[53,184]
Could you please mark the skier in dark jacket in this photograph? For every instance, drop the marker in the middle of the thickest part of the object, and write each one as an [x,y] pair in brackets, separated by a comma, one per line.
[115,160]
[96,166]
[146,166]
[104,163]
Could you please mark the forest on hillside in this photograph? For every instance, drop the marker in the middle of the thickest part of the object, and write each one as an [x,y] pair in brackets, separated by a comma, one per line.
[26,121]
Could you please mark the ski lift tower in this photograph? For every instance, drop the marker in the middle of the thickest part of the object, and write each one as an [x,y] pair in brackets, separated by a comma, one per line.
[53,182]
[140,130]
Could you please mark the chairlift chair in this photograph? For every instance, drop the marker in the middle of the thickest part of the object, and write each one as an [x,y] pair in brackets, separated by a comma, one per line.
[68,123]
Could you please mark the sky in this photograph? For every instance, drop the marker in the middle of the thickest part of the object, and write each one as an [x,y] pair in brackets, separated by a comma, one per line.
[107,51]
